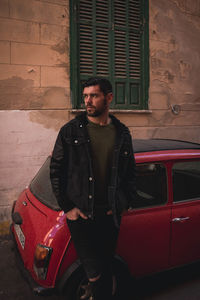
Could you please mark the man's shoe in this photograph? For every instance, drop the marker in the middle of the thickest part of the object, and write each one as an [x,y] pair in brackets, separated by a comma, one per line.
[87,292]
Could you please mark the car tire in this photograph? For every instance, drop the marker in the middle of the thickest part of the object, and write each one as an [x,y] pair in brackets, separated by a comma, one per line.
[124,282]
[122,286]
[71,290]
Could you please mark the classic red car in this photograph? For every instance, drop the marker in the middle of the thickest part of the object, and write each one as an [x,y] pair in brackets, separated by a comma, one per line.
[160,233]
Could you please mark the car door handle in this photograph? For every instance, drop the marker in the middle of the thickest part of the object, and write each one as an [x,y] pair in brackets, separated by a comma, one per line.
[180,219]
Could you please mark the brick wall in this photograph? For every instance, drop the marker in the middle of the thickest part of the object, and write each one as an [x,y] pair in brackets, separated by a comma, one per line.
[34,47]
[34,80]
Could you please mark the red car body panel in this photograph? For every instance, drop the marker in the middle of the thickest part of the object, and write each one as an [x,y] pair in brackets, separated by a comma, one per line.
[149,241]
[185,249]
[51,230]
[169,155]
[147,236]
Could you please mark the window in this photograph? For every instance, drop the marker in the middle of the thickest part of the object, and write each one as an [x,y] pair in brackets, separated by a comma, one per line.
[41,187]
[186,180]
[109,38]
[151,184]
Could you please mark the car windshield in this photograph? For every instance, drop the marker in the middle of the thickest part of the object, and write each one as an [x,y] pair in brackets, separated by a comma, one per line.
[41,188]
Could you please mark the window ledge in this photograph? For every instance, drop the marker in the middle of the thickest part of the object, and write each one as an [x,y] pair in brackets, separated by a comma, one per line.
[131,111]
[118,111]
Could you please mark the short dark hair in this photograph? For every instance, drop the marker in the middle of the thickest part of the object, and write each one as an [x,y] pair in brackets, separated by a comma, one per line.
[104,84]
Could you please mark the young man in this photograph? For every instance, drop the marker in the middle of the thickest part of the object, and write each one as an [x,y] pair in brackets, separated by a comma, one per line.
[93,177]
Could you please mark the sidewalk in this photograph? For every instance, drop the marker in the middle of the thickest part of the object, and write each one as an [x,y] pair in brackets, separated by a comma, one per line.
[12,284]
[180,284]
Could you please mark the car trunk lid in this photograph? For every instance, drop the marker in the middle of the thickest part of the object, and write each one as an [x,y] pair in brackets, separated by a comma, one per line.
[28,219]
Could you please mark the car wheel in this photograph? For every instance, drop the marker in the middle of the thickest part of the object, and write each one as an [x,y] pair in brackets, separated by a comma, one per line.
[77,284]
[124,284]
[74,288]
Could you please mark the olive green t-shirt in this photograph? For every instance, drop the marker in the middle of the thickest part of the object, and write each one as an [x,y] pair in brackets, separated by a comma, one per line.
[102,146]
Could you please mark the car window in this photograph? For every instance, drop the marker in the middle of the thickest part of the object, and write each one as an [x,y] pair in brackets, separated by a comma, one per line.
[41,186]
[151,185]
[186,180]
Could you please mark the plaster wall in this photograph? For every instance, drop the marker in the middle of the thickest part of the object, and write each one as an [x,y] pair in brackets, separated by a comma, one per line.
[35,86]
[174,94]
[34,90]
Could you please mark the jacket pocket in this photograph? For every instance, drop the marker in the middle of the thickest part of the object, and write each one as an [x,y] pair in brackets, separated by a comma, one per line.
[125,152]
[76,147]
[75,141]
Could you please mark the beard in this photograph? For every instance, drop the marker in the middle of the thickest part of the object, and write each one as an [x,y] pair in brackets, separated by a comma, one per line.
[92,111]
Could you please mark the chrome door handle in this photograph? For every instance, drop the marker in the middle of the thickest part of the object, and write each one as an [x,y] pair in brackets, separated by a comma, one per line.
[180,219]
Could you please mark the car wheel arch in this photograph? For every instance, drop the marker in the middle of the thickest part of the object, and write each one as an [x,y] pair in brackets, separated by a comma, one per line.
[68,273]
[118,264]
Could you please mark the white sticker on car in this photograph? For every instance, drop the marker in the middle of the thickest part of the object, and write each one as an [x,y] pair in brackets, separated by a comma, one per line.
[20,235]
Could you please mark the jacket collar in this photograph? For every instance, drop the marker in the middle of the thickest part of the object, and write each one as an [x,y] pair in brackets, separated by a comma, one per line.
[82,118]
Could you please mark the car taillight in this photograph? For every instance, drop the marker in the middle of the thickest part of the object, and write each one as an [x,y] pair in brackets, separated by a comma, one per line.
[41,260]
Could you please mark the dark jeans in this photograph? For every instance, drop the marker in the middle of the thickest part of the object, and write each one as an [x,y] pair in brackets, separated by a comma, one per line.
[95,242]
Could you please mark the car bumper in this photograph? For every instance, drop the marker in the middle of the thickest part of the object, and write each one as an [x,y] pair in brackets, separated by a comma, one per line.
[37,289]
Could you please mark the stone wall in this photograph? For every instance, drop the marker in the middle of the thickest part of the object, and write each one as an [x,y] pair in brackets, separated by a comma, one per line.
[174,94]
[35,88]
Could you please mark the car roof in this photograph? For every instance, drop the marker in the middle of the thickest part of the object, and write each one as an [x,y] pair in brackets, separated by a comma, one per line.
[149,145]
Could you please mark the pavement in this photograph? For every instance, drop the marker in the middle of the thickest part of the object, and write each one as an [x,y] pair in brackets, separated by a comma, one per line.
[12,284]
[179,284]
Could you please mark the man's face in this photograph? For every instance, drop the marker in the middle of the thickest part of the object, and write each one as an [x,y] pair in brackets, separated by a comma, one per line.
[95,101]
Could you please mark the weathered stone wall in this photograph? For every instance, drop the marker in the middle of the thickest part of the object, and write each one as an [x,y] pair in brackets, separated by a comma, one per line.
[174,70]
[35,88]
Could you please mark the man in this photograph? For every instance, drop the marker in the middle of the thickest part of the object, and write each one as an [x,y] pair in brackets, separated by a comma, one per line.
[93,177]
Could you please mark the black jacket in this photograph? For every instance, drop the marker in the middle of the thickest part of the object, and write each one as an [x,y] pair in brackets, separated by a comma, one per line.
[72,174]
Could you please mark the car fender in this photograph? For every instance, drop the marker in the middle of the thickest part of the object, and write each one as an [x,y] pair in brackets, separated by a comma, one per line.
[118,264]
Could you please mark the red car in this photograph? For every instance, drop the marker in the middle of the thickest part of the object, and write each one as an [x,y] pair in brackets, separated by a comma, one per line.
[160,233]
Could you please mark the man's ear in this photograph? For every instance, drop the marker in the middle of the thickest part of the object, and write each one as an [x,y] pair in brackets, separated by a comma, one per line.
[109,98]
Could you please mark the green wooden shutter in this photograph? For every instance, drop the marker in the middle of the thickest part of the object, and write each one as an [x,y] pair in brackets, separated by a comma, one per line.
[94,38]
[109,38]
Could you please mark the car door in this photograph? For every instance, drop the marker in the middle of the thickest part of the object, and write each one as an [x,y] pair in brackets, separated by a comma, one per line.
[185,243]
[144,237]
